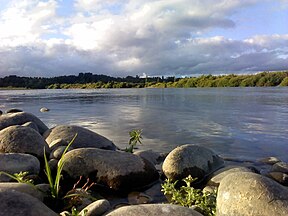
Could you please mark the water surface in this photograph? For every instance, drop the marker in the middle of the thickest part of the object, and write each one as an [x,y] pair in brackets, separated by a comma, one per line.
[236,122]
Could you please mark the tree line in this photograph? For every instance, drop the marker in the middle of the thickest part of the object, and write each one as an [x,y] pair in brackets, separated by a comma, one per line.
[89,80]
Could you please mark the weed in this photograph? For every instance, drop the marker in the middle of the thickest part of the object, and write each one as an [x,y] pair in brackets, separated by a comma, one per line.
[135,137]
[188,196]
[55,183]
[20,177]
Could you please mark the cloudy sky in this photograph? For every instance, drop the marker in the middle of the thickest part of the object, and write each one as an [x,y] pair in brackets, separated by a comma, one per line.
[135,37]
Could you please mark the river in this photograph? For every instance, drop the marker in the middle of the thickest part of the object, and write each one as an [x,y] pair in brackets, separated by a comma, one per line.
[244,123]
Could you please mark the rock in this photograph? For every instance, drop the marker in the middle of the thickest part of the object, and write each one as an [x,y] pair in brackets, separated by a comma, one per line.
[1,112]
[20,118]
[154,210]
[97,208]
[13,110]
[31,125]
[280,167]
[153,157]
[246,193]
[23,188]
[44,109]
[57,143]
[270,160]
[155,193]
[220,174]
[280,177]
[17,203]
[117,170]
[85,138]
[57,152]
[193,160]
[16,162]
[20,139]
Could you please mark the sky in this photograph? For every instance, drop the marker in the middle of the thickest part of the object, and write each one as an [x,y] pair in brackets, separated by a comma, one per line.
[47,38]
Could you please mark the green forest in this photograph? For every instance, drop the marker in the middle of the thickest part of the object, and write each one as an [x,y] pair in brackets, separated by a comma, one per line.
[89,80]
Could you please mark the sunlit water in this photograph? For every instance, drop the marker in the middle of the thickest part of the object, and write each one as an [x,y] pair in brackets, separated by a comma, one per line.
[235,122]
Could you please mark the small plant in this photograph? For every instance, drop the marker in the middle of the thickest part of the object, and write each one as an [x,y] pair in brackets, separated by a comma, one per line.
[135,137]
[188,196]
[55,183]
[20,177]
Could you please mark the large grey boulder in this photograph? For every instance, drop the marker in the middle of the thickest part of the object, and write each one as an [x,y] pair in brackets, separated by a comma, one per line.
[117,170]
[16,162]
[246,193]
[85,138]
[21,139]
[193,160]
[23,188]
[154,210]
[217,176]
[20,118]
[17,203]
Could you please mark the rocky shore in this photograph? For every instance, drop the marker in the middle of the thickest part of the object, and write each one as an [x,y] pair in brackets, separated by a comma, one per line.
[98,178]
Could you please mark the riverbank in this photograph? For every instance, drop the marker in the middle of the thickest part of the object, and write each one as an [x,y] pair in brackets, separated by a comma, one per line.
[94,81]
[98,177]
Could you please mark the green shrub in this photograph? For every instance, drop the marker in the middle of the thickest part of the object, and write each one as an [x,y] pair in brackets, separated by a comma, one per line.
[188,196]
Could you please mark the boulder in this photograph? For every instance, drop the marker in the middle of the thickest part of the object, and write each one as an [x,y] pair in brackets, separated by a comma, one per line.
[85,138]
[17,203]
[153,157]
[117,170]
[246,193]
[13,110]
[20,118]
[280,167]
[31,125]
[193,160]
[96,208]
[23,188]
[154,210]
[57,152]
[21,139]
[280,177]
[16,162]
[269,160]
[217,176]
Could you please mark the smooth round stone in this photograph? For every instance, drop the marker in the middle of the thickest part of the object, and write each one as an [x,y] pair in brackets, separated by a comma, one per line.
[16,203]
[13,110]
[246,193]
[117,170]
[194,160]
[17,162]
[85,138]
[280,177]
[221,173]
[23,188]
[154,210]
[20,139]
[280,167]
[20,118]
[270,160]
[44,109]
[58,152]
[31,125]
[97,208]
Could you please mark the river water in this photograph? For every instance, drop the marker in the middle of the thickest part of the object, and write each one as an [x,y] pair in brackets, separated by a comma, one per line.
[244,123]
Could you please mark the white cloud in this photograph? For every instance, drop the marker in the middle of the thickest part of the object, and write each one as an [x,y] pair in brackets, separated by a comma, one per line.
[130,37]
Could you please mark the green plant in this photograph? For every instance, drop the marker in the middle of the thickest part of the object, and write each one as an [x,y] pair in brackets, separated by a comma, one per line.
[20,177]
[188,196]
[54,183]
[135,137]
[75,212]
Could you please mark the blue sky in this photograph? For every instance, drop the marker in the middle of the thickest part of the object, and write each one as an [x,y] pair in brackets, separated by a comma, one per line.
[135,37]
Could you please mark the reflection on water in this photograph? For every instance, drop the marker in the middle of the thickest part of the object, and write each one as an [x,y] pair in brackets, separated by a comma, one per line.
[238,122]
